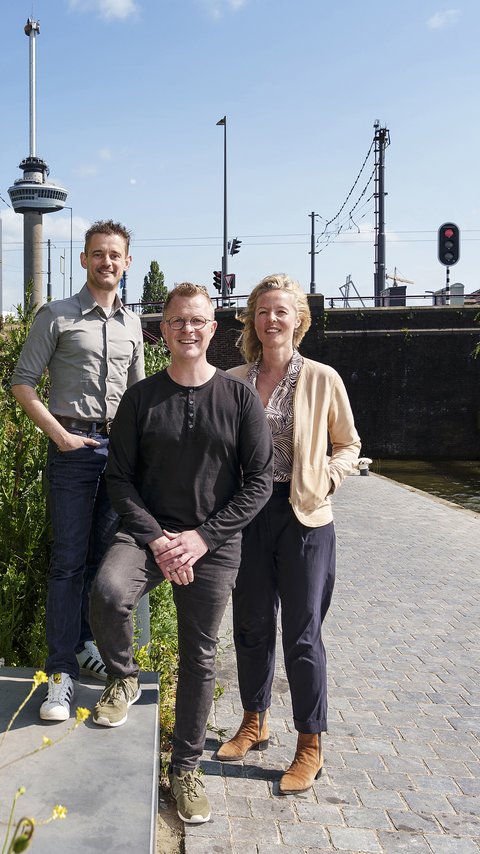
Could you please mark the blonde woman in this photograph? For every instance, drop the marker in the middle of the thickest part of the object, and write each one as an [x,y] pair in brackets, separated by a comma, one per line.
[288,550]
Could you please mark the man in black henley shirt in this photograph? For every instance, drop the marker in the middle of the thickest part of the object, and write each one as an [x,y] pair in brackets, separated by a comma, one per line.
[190,465]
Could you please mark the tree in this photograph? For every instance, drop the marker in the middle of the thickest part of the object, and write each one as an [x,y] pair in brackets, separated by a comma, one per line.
[154,289]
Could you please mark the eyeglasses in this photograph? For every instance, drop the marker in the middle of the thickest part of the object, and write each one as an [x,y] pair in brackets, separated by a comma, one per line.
[195,322]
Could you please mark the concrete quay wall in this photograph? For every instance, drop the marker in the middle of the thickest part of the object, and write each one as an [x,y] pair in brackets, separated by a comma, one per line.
[413,382]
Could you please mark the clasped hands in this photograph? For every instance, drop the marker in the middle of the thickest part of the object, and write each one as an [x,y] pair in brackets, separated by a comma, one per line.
[175,554]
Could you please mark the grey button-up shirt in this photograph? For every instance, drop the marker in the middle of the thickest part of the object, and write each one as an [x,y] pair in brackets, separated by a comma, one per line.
[91,357]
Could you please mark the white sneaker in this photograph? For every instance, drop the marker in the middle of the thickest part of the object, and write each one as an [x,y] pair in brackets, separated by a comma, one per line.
[91,662]
[56,706]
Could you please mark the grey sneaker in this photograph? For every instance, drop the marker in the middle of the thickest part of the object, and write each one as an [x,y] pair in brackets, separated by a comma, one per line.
[119,694]
[56,706]
[189,792]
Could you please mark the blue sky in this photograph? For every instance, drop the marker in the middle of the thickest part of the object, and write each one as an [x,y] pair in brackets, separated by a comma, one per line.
[129,93]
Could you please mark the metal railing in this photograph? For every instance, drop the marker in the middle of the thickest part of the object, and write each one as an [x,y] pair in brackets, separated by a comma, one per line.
[442,297]
[146,308]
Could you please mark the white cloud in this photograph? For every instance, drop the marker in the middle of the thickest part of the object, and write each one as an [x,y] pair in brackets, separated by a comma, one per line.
[87,170]
[217,8]
[133,180]
[444,19]
[109,10]
[12,227]
[58,227]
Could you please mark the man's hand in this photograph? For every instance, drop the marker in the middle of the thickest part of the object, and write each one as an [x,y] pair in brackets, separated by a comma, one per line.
[29,400]
[175,554]
[71,441]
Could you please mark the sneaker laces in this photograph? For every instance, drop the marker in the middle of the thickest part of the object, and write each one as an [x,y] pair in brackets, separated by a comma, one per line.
[116,690]
[57,691]
[189,783]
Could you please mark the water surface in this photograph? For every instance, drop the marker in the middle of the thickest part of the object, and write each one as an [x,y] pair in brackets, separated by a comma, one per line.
[454,480]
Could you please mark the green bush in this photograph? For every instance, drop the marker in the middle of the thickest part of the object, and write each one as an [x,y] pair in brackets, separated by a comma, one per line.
[24,539]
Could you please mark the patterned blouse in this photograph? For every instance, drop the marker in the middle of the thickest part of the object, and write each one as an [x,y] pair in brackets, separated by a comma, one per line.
[279,412]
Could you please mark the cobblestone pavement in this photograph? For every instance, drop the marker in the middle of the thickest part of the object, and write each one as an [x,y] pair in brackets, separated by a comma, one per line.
[402,755]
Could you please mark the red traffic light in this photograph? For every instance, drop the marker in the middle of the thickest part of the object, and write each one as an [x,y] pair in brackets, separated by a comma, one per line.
[448,244]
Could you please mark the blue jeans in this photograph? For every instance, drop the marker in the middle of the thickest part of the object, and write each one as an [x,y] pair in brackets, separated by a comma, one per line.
[83,524]
[126,574]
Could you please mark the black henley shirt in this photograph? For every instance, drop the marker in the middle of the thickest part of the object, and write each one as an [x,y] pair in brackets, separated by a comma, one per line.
[187,458]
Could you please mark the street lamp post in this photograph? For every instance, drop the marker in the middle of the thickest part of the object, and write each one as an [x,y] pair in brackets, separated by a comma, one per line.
[71,246]
[223,123]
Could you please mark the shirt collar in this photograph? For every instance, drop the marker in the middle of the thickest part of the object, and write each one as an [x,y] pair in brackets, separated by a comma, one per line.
[294,366]
[88,303]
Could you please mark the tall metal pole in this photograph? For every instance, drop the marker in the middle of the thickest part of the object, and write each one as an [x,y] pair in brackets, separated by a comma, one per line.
[223,122]
[31,29]
[312,254]
[49,270]
[382,139]
[71,247]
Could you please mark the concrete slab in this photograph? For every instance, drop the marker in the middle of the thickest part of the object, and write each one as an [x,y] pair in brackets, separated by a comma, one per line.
[107,778]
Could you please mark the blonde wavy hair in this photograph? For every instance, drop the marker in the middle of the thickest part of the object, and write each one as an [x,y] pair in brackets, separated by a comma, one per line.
[248,343]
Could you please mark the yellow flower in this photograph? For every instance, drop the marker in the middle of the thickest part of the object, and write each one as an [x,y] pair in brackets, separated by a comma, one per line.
[82,714]
[39,677]
[59,812]
[46,742]
[21,791]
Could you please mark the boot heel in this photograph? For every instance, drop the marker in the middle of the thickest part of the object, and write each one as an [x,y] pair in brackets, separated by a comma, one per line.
[262,745]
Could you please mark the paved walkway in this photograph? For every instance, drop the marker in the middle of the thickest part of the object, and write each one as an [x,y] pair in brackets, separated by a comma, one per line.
[402,754]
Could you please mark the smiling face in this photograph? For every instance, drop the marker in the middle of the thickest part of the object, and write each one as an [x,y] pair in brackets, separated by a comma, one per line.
[276,319]
[189,343]
[105,261]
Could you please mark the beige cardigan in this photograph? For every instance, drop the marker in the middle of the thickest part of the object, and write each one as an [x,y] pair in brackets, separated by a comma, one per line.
[321,410]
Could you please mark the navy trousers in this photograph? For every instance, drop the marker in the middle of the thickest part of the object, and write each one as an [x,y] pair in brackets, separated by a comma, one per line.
[83,524]
[284,562]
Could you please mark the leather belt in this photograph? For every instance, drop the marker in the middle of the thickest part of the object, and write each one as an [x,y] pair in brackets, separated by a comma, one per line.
[101,427]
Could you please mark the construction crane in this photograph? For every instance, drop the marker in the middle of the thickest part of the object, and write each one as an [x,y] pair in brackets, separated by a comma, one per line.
[396,278]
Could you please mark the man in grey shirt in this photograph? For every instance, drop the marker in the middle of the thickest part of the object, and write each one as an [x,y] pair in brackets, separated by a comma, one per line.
[93,349]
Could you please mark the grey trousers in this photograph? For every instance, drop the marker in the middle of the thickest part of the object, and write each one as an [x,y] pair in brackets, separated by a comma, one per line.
[126,573]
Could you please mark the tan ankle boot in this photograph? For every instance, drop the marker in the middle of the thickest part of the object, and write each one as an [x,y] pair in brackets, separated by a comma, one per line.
[306,767]
[252,735]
